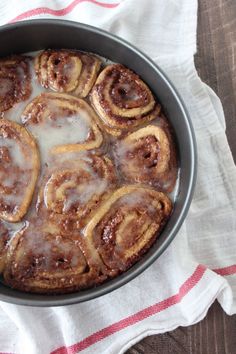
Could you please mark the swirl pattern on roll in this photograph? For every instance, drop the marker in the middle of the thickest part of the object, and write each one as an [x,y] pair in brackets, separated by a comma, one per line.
[67,71]
[75,186]
[40,259]
[19,169]
[69,119]
[122,100]
[148,156]
[127,224]
[15,84]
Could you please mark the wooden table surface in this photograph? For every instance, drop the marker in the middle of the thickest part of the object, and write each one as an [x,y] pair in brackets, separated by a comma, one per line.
[216,65]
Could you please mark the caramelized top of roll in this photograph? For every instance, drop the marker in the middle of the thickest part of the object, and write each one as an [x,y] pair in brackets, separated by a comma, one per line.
[122,100]
[126,225]
[67,71]
[75,185]
[148,156]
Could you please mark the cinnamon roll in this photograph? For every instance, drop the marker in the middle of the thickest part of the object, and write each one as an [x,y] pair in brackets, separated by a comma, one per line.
[148,156]
[127,224]
[19,169]
[15,84]
[75,186]
[62,123]
[122,100]
[67,71]
[40,259]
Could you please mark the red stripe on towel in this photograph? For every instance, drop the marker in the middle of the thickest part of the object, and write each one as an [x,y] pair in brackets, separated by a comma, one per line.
[226,270]
[187,286]
[62,12]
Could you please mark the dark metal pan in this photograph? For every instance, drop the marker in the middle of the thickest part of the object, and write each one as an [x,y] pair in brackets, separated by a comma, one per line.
[35,35]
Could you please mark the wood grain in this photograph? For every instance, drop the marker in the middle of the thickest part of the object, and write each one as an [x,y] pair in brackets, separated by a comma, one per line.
[214,335]
[216,56]
[216,65]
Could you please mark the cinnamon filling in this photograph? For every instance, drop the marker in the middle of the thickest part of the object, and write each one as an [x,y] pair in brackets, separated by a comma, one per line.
[126,91]
[122,229]
[145,152]
[67,71]
[52,255]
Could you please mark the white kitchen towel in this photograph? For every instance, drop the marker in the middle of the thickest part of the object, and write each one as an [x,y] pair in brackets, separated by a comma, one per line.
[200,264]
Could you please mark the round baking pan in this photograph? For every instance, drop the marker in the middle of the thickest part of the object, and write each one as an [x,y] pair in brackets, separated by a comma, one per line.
[30,36]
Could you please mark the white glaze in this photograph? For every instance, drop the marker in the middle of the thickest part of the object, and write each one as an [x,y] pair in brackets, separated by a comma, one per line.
[129,95]
[16,152]
[13,228]
[174,194]
[46,249]
[62,131]
[122,148]
[85,192]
